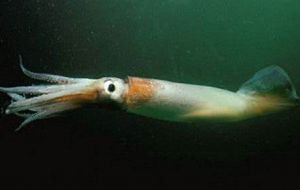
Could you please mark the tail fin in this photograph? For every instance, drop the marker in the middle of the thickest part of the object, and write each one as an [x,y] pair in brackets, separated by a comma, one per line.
[271,81]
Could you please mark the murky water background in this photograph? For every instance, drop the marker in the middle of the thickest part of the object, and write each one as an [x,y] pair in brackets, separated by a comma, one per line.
[217,43]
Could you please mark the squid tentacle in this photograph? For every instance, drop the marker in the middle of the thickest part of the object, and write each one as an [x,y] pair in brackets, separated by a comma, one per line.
[24,115]
[45,99]
[15,97]
[54,106]
[29,103]
[45,112]
[46,105]
[48,77]
[34,90]
[48,100]
[33,117]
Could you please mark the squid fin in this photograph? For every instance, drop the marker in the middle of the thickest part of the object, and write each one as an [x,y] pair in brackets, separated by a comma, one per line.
[272,81]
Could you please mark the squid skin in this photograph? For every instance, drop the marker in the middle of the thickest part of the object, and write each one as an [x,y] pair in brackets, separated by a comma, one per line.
[269,90]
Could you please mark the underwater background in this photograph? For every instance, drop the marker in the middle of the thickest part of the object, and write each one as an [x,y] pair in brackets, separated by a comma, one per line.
[206,42]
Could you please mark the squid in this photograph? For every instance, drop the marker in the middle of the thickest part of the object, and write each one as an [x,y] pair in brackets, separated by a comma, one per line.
[269,90]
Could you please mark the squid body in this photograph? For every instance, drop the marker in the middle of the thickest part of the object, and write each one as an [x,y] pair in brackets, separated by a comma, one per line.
[269,90]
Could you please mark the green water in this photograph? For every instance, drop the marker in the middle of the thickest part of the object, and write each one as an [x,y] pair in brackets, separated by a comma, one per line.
[207,42]
[212,42]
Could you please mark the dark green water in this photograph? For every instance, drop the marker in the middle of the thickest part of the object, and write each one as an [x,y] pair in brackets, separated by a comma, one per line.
[207,42]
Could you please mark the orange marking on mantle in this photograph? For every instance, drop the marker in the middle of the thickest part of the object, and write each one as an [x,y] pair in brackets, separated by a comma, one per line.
[139,91]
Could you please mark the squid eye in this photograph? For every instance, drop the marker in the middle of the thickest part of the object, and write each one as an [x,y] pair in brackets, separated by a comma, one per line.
[111,87]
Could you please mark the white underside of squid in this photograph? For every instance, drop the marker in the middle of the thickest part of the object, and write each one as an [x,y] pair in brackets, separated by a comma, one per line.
[269,90]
